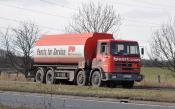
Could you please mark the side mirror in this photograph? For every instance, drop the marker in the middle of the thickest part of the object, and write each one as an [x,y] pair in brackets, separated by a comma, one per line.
[142,51]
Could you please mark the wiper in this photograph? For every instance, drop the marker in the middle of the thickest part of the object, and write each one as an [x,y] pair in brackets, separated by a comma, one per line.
[125,53]
[120,53]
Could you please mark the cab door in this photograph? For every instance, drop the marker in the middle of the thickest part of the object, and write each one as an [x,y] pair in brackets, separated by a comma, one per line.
[103,55]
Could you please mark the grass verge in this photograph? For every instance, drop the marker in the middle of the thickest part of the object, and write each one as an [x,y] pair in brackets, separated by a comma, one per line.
[116,93]
[167,80]
[10,107]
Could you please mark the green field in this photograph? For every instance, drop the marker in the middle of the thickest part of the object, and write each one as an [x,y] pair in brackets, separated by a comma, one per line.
[167,79]
[151,73]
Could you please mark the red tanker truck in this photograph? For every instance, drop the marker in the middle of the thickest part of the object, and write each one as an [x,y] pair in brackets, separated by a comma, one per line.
[91,58]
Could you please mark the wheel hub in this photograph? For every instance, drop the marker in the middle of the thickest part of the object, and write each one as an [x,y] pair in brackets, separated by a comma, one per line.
[39,76]
[80,78]
[96,79]
[49,76]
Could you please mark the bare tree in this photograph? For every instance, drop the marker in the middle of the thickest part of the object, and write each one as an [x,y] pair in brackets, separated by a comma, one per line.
[94,18]
[7,44]
[19,45]
[163,46]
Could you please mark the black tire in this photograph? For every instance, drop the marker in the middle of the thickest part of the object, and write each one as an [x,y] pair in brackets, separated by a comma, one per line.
[96,79]
[128,84]
[40,75]
[81,78]
[50,77]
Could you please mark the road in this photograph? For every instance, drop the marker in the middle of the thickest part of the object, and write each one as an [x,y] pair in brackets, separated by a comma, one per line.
[71,102]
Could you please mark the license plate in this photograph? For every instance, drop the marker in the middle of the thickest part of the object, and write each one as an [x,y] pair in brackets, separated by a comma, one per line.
[127,76]
[114,76]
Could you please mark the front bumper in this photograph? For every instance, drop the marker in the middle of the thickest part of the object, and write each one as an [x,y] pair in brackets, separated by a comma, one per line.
[122,77]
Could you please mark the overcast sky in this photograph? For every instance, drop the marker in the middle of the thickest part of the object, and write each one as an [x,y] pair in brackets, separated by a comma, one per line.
[140,18]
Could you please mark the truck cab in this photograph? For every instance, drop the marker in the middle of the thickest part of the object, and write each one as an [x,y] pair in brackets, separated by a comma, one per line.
[119,62]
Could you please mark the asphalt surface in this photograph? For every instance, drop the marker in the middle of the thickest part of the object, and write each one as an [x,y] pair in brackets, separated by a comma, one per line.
[47,101]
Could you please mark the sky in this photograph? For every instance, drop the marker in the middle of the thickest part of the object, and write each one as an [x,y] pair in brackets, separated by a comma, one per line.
[140,18]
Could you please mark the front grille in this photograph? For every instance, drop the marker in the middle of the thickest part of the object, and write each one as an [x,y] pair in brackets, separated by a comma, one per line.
[125,66]
[129,64]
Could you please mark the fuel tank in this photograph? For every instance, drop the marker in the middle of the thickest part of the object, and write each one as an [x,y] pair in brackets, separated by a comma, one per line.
[67,48]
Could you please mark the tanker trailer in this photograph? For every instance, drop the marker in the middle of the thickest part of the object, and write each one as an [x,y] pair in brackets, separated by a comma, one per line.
[90,58]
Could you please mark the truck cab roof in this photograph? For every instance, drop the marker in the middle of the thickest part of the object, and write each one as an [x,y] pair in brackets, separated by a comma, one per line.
[113,40]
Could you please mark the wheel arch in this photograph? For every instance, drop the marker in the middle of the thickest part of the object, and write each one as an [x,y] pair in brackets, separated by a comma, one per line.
[40,68]
[50,68]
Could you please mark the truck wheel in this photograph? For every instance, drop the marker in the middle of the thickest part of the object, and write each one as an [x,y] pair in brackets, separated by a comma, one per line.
[50,77]
[96,79]
[81,78]
[40,75]
[128,84]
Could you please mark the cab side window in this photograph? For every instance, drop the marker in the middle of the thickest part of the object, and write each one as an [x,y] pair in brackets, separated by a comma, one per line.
[104,48]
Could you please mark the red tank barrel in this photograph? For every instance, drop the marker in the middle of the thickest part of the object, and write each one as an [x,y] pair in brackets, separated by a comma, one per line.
[67,48]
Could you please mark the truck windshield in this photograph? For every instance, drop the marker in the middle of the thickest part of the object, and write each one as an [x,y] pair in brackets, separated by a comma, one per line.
[126,48]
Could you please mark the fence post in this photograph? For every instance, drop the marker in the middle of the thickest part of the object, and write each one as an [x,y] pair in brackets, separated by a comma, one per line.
[17,73]
[159,81]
